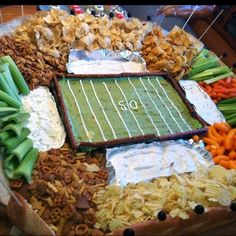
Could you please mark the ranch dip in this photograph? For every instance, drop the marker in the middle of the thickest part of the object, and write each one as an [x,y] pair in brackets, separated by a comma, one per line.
[47,130]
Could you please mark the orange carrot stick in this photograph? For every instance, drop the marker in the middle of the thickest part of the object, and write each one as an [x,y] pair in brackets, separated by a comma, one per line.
[219,158]
[229,140]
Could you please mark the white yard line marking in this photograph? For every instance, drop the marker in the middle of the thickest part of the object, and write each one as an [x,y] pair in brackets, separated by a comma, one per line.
[150,118]
[173,104]
[140,79]
[165,105]
[91,109]
[116,109]
[129,107]
[104,113]
[81,116]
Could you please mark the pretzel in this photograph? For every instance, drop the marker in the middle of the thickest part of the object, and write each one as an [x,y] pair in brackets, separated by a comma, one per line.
[54,152]
[81,229]
[68,211]
[59,201]
[103,174]
[16,183]
[55,214]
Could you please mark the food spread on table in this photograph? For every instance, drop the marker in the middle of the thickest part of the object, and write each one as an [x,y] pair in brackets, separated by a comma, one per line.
[110,150]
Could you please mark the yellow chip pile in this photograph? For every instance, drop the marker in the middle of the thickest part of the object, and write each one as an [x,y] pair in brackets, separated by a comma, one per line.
[172,53]
[176,195]
[56,31]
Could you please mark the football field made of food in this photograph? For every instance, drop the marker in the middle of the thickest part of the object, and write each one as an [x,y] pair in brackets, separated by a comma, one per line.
[103,109]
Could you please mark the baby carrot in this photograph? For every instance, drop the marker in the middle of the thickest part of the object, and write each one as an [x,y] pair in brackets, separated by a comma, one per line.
[208,147]
[219,158]
[211,141]
[225,164]
[232,164]
[212,134]
[213,152]
[220,151]
[232,154]
[222,126]
[229,140]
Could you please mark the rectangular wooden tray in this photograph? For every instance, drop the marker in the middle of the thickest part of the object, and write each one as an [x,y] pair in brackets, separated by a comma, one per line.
[56,90]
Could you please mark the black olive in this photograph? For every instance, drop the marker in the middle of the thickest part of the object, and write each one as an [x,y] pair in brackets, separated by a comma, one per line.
[93,12]
[149,18]
[233,206]
[129,14]
[111,14]
[199,209]
[72,12]
[128,232]
[225,54]
[161,215]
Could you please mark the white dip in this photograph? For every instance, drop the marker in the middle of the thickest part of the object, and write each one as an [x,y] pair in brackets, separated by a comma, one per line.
[104,67]
[47,130]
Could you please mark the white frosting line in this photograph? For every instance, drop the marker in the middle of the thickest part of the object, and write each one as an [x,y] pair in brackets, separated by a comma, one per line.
[140,79]
[91,109]
[165,105]
[129,107]
[104,113]
[117,109]
[76,102]
[150,118]
[173,105]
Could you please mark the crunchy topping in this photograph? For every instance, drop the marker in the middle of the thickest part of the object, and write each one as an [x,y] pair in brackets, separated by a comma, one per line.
[63,191]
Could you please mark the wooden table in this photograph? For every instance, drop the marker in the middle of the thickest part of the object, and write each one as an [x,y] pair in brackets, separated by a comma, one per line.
[13,11]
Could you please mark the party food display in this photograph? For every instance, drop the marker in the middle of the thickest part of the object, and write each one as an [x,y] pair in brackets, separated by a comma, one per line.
[111,110]
[57,187]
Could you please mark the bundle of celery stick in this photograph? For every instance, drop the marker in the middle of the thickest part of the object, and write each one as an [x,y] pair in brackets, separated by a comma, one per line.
[228,108]
[207,67]
[19,155]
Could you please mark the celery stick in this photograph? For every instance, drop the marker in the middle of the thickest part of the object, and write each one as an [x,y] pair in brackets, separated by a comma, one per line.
[213,71]
[203,66]
[16,128]
[229,117]
[5,68]
[4,85]
[5,135]
[17,118]
[26,166]
[9,100]
[22,149]
[10,162]
[11,174]
[232,121]
[7,110]
[213,80]
[16,75]
[3,104]
[12,142]
[204,52]
[226,101]
[202,78]
[206,61]
[11,116]
[200,60]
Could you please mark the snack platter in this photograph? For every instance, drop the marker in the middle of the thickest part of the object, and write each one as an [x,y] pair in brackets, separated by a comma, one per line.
[113,154]
[146,133]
